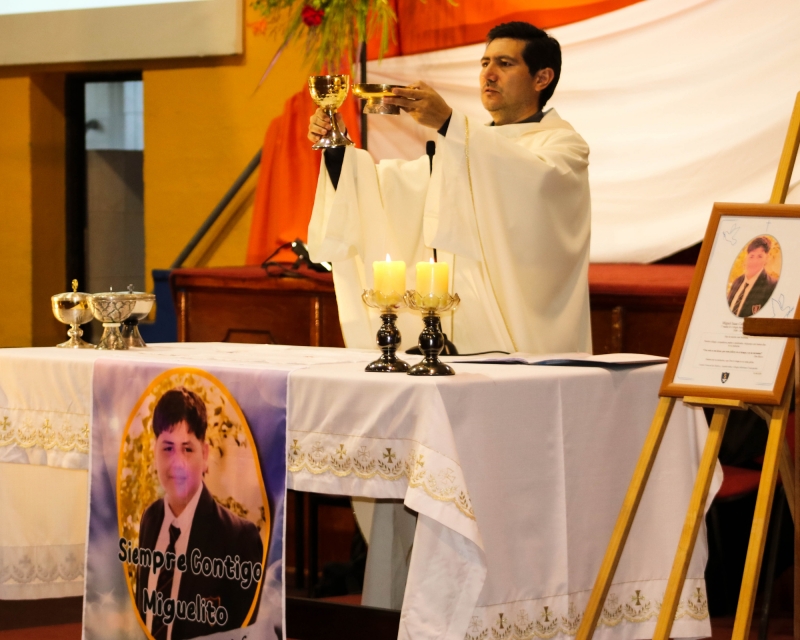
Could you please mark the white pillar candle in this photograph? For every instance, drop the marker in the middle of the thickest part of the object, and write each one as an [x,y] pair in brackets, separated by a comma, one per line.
[432,278]
[389,279]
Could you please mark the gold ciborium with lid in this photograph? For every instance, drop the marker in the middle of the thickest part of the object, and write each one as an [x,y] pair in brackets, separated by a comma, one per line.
[72,308]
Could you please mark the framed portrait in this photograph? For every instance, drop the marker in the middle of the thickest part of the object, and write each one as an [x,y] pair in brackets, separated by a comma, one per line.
[749,266]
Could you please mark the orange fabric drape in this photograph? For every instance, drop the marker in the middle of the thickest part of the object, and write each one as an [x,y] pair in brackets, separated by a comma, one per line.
[437,24]
[287,178]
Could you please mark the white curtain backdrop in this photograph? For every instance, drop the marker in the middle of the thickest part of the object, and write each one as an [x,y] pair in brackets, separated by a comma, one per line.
[683,102]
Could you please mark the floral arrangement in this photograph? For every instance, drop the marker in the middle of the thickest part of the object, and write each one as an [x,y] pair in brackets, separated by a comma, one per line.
[332,29]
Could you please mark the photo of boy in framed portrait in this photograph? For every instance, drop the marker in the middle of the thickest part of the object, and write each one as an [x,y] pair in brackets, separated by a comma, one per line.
[749,266]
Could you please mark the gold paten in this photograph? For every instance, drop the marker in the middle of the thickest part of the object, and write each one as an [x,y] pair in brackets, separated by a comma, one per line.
[329,93]
[374,95]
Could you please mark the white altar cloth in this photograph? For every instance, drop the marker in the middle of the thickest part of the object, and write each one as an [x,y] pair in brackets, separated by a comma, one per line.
[45,405]
[517,473]
[544,452]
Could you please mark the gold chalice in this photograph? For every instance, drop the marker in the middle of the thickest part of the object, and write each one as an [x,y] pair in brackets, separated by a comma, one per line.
[329,93]
[374,95]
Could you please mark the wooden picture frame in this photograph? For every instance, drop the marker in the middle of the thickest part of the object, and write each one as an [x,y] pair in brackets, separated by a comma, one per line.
[709,341]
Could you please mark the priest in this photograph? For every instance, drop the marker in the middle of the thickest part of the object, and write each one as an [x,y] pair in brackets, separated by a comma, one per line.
[505,204]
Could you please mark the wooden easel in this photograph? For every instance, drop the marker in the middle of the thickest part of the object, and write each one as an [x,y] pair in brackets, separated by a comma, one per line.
[775,456]
[787,328]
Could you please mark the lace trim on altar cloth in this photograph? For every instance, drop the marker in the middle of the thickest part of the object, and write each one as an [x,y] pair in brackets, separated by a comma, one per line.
[49,438]
[394,460]
[635,602]
[45,564]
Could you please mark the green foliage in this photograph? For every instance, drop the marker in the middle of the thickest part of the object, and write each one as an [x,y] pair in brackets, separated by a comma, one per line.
[332,44]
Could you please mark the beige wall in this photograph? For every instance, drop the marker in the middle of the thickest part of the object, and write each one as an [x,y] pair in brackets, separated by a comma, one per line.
[203,124]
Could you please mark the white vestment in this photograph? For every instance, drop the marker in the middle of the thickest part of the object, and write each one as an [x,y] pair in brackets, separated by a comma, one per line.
[507,207]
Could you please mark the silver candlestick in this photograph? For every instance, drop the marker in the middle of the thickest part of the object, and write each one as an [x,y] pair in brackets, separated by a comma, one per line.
[431,340]
[388,337]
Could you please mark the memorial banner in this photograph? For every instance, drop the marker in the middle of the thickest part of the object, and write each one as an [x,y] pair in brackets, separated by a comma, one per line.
[186,512]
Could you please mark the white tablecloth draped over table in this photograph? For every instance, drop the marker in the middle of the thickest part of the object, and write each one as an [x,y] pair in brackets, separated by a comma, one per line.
[517,473]
[45,405]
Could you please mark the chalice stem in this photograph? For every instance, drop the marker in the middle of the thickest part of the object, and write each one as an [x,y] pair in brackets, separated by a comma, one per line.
[338,138]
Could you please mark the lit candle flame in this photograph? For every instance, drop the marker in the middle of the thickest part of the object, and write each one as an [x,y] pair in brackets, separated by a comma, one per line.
[388,258]
[432,262]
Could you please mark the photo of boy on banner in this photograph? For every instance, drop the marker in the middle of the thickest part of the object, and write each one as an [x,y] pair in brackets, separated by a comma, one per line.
[194,515]
[187,520]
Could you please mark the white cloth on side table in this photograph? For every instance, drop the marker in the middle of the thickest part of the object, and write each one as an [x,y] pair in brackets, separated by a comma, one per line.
[518,474]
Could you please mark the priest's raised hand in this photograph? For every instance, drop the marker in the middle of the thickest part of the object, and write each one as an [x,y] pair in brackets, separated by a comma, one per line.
[320,124]
[422,103]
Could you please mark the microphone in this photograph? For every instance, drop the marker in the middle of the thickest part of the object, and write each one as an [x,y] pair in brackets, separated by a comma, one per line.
[300,249]
[430,149]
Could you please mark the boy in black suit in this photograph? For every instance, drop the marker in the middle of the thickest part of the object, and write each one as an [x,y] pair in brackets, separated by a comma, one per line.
[214,586]
[752,290]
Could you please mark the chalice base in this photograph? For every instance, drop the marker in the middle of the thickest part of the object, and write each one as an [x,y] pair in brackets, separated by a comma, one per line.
[112,339]
[75,341]
[376,107]
[130,333]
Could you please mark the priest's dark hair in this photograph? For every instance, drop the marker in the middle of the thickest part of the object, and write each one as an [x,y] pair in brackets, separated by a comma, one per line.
[177,405]
[541,51]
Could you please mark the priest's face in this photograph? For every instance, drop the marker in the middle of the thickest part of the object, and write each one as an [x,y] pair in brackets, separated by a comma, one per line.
[508,91]
[181,459]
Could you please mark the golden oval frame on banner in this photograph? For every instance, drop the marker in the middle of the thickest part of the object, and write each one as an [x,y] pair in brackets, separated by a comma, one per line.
[153,391]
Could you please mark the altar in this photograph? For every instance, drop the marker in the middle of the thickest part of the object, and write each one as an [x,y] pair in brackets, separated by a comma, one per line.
[516,476]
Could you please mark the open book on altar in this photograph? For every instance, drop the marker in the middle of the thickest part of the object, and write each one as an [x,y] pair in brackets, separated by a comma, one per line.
[561,359]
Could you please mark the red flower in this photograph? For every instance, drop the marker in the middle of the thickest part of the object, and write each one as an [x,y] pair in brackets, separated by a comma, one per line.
[312,17]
